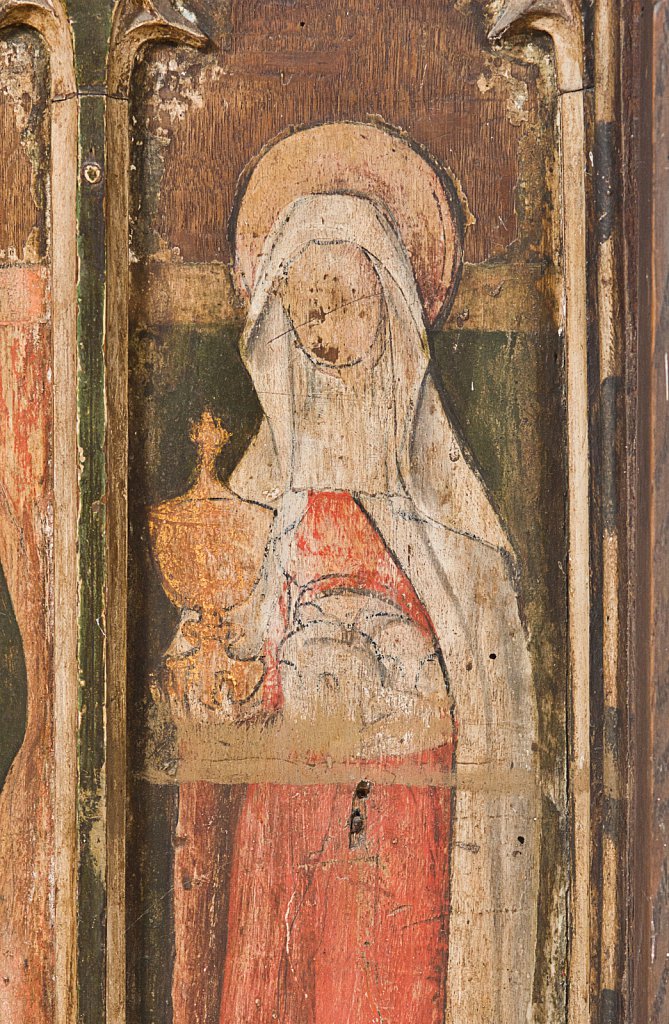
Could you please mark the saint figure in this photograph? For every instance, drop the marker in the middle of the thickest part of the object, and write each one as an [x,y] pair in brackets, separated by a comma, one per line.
[386,620]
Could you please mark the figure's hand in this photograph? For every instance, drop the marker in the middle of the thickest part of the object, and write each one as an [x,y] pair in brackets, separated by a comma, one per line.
[241,678]
[207,683]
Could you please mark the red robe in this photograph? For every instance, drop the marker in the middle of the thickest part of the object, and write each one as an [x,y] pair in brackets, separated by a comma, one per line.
[331,920]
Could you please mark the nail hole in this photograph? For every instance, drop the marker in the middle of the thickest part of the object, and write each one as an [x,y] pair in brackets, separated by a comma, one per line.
[521,840]
[493,656]
[92,172]
[357,823]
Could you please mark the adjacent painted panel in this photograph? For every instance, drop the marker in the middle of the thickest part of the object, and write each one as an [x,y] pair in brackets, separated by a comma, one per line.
[27,889]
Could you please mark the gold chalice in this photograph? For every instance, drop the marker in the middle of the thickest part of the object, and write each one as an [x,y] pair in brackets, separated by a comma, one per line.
[209,546]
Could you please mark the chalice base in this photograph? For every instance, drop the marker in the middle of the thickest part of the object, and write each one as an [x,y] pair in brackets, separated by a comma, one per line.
[206,679]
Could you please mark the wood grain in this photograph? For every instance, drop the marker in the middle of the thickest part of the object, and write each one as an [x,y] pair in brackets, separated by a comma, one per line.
[24,135]
[652,967]
[274,66]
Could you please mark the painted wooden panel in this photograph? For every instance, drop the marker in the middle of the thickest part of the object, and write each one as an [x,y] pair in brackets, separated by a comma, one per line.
[312,559]
[347,582]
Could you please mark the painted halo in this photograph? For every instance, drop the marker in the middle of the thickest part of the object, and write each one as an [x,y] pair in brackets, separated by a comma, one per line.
[361,159]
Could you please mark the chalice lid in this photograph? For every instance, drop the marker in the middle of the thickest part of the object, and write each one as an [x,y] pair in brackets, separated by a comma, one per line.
[210,436]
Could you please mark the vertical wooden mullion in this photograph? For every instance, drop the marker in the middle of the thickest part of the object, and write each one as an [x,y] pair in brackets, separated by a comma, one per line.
[117,134]
[607,221]
[91,807]
[648,185]
[127,37]
[563,22]
[64,118]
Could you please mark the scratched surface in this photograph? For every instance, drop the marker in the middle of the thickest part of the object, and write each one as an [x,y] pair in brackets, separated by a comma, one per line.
[197,120]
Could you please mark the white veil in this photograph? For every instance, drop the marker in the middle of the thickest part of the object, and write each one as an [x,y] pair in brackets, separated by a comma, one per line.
[413,478]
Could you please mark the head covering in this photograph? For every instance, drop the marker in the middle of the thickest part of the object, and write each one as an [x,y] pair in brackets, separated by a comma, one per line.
[414,452]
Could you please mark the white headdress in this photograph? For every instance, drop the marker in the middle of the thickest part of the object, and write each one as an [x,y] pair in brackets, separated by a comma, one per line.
[430,468]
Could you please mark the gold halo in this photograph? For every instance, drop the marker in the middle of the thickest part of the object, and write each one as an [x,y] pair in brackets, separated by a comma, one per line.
[365,160]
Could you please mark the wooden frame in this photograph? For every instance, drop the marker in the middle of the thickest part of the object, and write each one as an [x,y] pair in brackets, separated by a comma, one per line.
[645,119]
[562,23]
[617,483]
